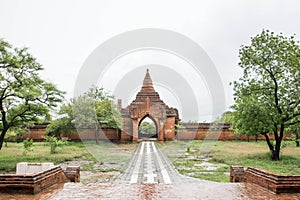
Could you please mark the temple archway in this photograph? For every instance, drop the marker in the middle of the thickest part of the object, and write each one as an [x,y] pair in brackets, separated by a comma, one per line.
[148,104]
[148,128]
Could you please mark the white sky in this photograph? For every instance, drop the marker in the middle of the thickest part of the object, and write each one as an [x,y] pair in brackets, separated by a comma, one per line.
[62,34]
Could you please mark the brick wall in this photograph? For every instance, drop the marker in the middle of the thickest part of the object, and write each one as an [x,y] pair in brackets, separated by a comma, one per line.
[201,131]
[192,131]
[37,134]
[89,134]
[274,182]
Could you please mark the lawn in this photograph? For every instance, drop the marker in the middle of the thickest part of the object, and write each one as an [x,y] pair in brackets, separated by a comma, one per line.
[104,152]
[189,159]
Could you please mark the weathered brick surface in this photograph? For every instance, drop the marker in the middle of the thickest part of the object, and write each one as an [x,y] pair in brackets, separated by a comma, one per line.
[89,134]
[274,182]
[148,104]
[32,183]
[236,174]
[73,173]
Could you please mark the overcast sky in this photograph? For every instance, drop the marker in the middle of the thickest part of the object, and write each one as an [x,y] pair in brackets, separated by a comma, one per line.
[62,35]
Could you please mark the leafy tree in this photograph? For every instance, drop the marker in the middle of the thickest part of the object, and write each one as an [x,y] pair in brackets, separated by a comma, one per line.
[227,117]
[295,130]
[92,110]
[63,124]
[267,96]
[84,114]
[251,119]
[147,128]
[24,97]
[108,114]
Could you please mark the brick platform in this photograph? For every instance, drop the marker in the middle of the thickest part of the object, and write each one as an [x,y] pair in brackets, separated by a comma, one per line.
[36,182]
[274,182]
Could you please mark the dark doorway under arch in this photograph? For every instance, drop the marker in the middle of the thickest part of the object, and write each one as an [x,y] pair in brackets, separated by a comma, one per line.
[147,128]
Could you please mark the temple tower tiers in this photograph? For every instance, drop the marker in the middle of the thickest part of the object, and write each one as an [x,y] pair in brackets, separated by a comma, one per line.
[148,104]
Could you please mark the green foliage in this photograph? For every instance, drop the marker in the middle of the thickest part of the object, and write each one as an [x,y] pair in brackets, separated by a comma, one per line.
[24,97]
[108,114]
[295,130]
[12,133]
[62,125]
[227,117]
[251,119]
[179,128]
[267,96]
[147,128]
[54,142]
[92,110]
[28,146]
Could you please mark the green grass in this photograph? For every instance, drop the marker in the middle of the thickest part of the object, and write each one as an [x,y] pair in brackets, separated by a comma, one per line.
[103,152]
[216,176]
[186,155]
[257,155]
[11,155]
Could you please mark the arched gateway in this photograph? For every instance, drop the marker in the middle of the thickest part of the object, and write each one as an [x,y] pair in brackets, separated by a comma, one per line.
[148,104]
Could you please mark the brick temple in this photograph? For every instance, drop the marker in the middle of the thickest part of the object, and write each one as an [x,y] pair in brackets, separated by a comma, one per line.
[148,104]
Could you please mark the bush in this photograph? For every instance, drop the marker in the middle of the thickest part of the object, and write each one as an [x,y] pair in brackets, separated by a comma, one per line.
[28,146]
[54,142]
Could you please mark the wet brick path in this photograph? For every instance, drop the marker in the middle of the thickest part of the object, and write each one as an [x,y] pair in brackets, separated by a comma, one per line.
[150,175]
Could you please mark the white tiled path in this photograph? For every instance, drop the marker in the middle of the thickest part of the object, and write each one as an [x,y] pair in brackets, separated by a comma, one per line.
[148,166]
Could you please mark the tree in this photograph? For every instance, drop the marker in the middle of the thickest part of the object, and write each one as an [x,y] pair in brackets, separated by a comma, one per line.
[92,110]
[24,97]
[267,96]
[295,130]
[147,128]
[251,119]
[64,124]
[226,117]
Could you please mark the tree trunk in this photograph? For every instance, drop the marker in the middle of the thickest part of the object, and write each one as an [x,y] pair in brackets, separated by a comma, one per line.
[2,138]
[297,144]
[96,135]
[271,147]
[275,154]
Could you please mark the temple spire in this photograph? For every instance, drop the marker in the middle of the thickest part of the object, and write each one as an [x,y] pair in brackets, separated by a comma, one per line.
[147,83]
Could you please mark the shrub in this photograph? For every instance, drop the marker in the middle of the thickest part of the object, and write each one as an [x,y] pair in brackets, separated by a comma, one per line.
[28,146]
[54,142]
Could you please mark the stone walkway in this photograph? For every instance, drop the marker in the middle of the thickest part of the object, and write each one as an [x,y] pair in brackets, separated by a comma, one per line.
[150,175]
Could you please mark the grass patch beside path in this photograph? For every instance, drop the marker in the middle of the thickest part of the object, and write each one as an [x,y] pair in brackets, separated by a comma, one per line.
[187,158]
[104,152]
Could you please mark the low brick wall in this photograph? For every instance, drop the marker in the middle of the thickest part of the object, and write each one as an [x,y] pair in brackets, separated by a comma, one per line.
[274,182]
[37,133]
[34,183]
[201,131]
[192,131]
[89,134]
